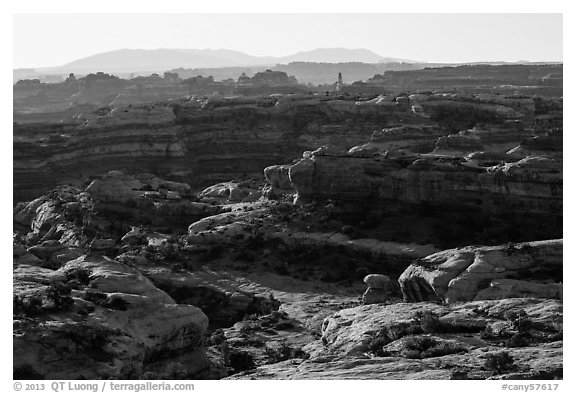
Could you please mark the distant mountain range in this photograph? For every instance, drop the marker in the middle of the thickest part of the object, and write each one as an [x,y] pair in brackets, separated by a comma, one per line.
[224,63]
[158,60]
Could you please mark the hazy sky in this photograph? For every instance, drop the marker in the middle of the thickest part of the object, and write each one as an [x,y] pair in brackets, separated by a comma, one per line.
[55,39]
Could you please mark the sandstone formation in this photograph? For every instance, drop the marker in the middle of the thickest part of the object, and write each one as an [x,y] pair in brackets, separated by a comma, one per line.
[96,318]
[389,341]
[475,273]
[378,289]
[202,141]
[477,78]
[164,232]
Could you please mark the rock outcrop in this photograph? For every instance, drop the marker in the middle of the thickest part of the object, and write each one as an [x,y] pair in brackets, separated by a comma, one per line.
[203,141]
[96,318]
[476,273]
[430,341]
[520,192]
[378,289]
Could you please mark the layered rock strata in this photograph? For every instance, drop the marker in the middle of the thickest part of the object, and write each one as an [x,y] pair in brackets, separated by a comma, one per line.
[205,141]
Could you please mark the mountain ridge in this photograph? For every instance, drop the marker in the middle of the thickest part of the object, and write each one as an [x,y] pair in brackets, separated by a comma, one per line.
[162,59]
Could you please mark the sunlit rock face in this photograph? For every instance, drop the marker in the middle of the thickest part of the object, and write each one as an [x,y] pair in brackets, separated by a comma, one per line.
[97,318]
[200,142]
[478,273]
[209,140]
[525,194]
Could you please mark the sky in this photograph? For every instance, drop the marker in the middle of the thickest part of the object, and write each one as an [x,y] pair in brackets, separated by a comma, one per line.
[45,40]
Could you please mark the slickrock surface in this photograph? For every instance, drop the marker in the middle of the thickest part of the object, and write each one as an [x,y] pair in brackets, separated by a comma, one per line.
[475,273]
[96,318]
[429,341]
[102,292]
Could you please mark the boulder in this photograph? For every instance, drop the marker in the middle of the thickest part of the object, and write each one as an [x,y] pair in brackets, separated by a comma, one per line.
[492,272]
[379,281]
[375,295]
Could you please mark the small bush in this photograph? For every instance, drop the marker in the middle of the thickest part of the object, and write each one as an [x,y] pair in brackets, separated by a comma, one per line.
[117,303]
[59,294]
[428,347]
[29,306]
[349,231]
[174,371]
[217,337]
[282,270]
[459,373]
[376,345]
[241,361]
[431,323]
[245,256]
[518,340]
[212,254]
[499,362]
[488,334]
[285,352]
[519,320]
[389,334]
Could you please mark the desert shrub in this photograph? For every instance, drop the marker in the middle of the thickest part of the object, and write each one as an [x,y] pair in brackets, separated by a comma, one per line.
[174,371]
[282,270]
[256,241]
[245,255]
[103,300]
[283,325]
[558,328]
[28,306]
[246,330]
[26,372]
[240,361]
[285,352]
[277,320]
[400,330]
[79,277]
[349,230]
[459,373]
[499,362]
[149,375]
[389,334]
[217,337]
[520,320]
[168,252]
[431,323]
[212,253]
[255,342]
[376,346]
[59,294]
[263,306]
[428,347]
[489,334]
[117,303]
[518,340]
